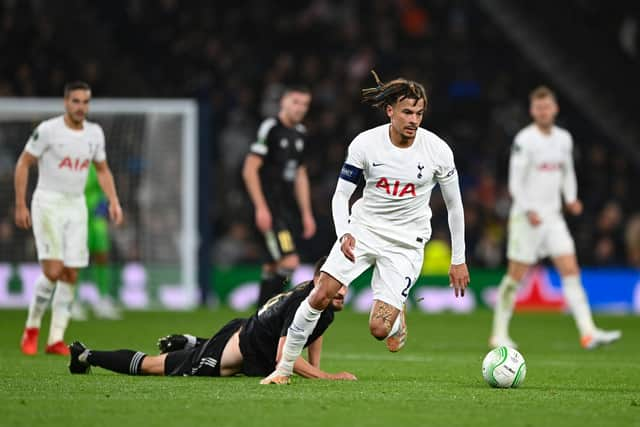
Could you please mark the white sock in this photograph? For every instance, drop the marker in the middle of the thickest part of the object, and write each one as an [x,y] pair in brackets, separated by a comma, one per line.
[191,342]
[504,306]
[60,311]
[579,304]
[40,301]
[396,326]
[304,321]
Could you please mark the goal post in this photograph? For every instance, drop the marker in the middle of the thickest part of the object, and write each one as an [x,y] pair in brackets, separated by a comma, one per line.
[152,149]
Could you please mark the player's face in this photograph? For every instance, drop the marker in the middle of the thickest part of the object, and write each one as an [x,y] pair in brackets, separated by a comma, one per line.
[76,104]
[295,105]
[544,111]
[338,300]
[406,116]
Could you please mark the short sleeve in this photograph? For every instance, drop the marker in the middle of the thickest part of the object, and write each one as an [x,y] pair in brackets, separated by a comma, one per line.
[100,155]
[261,146]
[446,168]
[38,141]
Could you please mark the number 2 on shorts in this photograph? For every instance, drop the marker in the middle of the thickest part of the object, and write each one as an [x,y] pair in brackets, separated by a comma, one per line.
[405,291]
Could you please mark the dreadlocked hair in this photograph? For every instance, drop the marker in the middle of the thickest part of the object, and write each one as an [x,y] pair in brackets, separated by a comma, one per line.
[391,92]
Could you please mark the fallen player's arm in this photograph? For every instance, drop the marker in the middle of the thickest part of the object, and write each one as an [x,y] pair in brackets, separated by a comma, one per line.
[314,352]
[306,370]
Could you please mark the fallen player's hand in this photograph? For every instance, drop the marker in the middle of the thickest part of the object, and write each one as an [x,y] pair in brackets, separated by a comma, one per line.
[343,376]
[347,244]
[459,278]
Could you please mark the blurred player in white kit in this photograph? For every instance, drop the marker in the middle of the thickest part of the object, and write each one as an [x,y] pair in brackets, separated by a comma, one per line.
[63,147]
[541,171]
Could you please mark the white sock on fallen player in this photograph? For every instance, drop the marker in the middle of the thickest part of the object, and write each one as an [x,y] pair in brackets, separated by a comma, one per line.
[304,322]
[60,311]
[40,301]
[503,310]
[579,304]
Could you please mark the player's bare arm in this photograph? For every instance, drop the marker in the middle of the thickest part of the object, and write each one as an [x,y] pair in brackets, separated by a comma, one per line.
[108,186]
[314,352]
[304,202]
[21,179]
[252,165]
[307,370]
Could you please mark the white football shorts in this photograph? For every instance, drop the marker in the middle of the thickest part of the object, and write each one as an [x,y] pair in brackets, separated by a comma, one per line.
[60,227]
[529,244]
[396,267]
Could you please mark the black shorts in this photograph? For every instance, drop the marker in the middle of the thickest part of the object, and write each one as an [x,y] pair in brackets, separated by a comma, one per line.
[280,241]
[203,360]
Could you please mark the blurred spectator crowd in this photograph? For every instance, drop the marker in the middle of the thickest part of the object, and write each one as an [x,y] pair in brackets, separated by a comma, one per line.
[235,57]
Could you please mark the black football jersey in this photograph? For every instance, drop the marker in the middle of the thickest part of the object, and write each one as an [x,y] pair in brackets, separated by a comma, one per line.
[282,150]
[260,335]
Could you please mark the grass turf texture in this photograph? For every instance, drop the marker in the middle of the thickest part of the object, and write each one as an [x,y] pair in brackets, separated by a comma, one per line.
[435,380]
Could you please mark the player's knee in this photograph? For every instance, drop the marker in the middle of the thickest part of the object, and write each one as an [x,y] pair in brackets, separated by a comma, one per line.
[378,330]
[53,272]
[319,299]
[326,288]
[517,270]
[572,270]
[289,262]
[69,275]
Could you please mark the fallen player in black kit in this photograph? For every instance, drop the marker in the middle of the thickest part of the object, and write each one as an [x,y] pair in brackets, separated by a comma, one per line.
[250,346]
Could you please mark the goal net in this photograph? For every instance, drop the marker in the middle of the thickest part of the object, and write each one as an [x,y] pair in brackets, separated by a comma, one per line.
[152,151]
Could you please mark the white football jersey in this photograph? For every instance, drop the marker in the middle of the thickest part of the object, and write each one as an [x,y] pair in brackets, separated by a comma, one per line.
[541,169]
[398,182]
[64,154]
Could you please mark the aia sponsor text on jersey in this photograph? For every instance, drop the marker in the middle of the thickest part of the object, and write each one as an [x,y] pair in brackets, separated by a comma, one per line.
[549,166]
[74,164]
[396,188]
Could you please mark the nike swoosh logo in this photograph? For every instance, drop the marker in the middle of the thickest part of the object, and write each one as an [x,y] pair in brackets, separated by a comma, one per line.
[374,164]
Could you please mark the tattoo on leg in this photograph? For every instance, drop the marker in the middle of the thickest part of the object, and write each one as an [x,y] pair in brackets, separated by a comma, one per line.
[384,312]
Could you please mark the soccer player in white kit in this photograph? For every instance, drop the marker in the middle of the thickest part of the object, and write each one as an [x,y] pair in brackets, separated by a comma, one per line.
[389,226]
[63,148]
[540,172]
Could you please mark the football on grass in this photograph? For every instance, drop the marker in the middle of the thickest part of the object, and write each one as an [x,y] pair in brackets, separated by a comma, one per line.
[504,367]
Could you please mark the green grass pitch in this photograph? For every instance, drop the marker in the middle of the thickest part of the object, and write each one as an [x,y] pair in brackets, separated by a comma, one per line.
[435,381]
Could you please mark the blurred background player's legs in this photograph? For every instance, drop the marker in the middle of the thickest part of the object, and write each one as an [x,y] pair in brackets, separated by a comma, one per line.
[99,247]
[576,299]
[276,274]
[55,276]
[505,301]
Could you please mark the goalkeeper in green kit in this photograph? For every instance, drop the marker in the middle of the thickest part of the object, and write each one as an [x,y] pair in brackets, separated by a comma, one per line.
[99,247]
